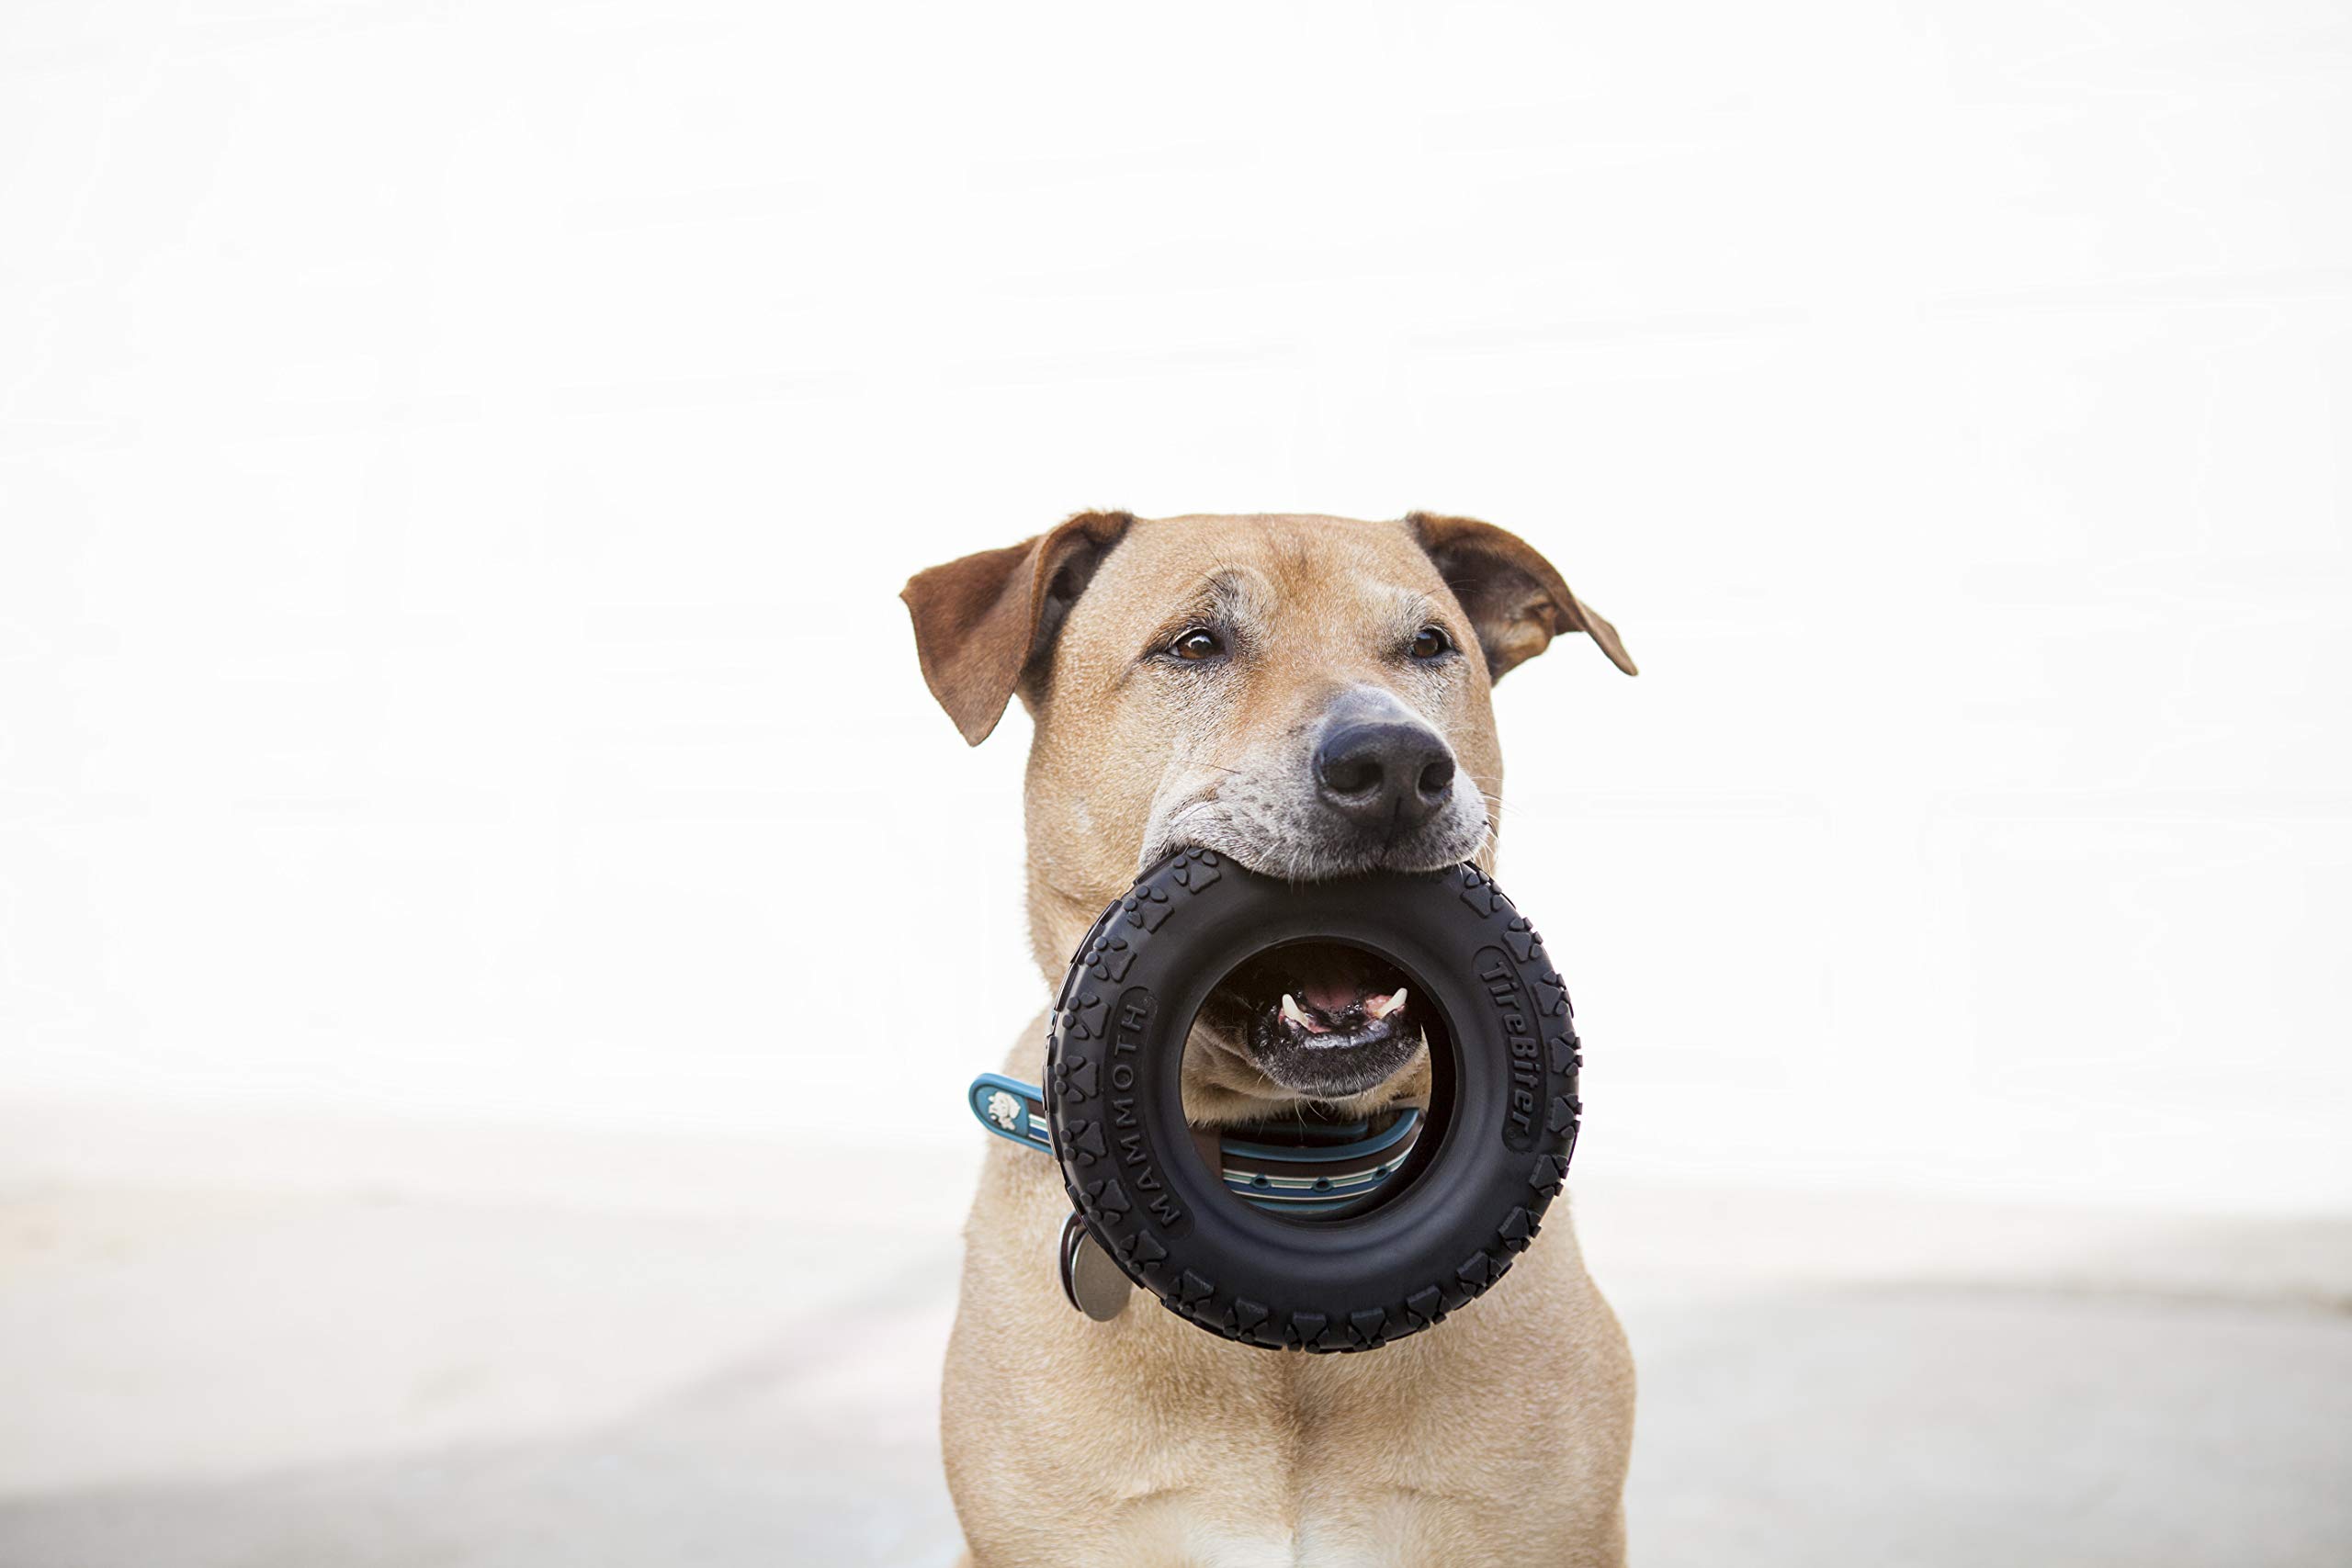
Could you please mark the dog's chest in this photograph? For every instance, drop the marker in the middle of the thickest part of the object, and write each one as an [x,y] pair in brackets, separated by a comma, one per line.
[1145,1441]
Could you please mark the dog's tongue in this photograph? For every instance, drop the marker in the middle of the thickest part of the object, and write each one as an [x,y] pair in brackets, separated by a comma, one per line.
[1321,988]
[1332,994]
[1338,993]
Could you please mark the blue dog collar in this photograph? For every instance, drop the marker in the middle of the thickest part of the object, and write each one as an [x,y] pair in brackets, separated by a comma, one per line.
[1288,1167]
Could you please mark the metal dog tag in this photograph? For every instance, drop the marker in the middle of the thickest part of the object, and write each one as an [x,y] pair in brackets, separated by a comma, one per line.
[1091,1281]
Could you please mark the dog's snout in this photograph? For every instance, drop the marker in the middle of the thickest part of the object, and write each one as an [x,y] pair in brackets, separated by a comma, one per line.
[1387,775]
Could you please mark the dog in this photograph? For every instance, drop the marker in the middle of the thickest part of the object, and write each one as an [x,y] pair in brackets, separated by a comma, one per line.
[1308,695]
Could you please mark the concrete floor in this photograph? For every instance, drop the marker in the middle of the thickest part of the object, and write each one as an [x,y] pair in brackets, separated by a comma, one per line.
[480,1348]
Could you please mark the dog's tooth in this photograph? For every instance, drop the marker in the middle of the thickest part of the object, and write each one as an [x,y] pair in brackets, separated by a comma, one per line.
[1291,1012]
[1381,1007]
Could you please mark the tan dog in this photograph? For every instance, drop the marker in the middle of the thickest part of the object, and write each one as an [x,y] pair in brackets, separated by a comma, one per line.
[1309,695]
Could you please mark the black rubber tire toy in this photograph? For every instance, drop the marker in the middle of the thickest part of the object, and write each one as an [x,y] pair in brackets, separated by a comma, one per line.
[1494,1153]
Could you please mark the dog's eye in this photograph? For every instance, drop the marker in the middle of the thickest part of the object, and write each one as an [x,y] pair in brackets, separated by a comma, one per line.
[1432,643]
[1197,644]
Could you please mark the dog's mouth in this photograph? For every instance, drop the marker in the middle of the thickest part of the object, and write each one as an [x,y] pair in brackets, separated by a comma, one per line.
[1320,1019]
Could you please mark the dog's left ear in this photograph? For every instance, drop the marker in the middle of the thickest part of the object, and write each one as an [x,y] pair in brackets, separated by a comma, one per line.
[1516,601]
[979,621]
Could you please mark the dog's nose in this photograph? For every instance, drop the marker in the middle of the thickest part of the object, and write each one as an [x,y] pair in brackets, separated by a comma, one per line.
[1386,774]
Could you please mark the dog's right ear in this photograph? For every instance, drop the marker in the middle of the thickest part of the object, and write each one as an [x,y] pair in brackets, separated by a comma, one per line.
[980,621]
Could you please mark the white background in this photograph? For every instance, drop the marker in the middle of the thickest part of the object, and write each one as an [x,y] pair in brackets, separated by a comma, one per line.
[457,462]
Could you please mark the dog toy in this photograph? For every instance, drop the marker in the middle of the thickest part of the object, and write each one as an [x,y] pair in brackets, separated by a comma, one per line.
[1415,1214]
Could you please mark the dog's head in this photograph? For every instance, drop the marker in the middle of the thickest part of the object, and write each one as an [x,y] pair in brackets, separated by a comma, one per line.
[1306,695]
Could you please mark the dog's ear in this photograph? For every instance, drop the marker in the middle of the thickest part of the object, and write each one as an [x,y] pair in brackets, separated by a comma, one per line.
[1515,599]
[979,621]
